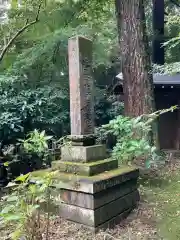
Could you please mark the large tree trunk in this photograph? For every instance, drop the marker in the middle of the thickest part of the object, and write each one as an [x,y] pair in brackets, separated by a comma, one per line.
[138,82]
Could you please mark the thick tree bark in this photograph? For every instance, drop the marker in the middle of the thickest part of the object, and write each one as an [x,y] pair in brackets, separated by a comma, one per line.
[136,66]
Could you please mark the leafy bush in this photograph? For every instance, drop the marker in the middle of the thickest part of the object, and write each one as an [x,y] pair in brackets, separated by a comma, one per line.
[35,146]
[26,105]
[37,142]
[133,138]
[24,108]
[106,108]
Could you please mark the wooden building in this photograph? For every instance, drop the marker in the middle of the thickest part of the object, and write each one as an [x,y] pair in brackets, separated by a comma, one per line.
[167,94]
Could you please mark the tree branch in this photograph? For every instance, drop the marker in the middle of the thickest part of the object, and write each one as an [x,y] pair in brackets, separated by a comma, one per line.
[18,33]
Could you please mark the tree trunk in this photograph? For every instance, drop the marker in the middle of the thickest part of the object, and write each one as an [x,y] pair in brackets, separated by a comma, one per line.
[136,66]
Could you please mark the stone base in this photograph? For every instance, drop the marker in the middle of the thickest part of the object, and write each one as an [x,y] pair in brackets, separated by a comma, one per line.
[83,154]
[97,200]
[109,224]
[85,169]
[90,219]
[100,201]
[94,218]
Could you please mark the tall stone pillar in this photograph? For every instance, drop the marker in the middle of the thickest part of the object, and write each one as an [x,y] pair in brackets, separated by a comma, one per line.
[94,191]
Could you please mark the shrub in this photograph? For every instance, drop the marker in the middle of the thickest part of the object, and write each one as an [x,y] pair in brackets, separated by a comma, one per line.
[133,138]
[21,212]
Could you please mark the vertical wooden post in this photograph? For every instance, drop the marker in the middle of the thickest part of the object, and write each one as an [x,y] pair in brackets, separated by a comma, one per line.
[158,32]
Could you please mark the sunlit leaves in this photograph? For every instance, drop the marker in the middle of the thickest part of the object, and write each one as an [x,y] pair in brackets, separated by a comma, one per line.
[37,142]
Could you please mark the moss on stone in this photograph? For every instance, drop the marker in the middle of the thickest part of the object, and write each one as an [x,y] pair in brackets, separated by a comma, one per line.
[70,177]
[89,164]
[87,169]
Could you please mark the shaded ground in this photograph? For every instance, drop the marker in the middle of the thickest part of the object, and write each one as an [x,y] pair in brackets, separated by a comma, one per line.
[165,197]
[158,215]
[138,226]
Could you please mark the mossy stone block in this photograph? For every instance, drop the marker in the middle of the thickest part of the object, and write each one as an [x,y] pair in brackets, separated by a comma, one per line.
[83,153]
[96,183]
[86,169]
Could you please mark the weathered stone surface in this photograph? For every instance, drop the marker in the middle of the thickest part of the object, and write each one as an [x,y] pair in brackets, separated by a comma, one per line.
[87,169]
[55,154]
[83,154]
[82,140]
[108,224]
[114,221]
[93,201]
[85,143]
[97,183]
[94,218]
[81,86]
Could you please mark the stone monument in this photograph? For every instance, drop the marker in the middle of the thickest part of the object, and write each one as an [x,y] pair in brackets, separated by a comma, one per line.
[95,192]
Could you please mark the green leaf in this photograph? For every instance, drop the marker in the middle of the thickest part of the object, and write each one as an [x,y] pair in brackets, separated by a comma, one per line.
[36,206]
[12,199]
[6,210]
[23,178]
[48,137]
[14,217]
[6,164]
[16,234]
[147,163]
[42,134]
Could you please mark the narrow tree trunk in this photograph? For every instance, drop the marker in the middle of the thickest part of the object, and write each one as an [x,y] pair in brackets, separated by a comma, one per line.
[138,82]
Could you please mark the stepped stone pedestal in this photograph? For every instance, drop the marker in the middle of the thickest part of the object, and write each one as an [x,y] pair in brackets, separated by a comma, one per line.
[95,192]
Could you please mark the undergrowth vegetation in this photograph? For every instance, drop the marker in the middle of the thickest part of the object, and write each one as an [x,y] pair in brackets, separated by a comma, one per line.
[21,210]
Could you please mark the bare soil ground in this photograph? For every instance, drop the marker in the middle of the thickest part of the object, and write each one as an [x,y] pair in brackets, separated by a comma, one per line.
[139,225]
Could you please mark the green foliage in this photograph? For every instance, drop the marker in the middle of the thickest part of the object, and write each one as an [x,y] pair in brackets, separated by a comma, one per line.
[35,91]
[172,41]
[173,31]
[37,142]
[106,108]
[20,210]
[132,138]
[34,80]
[23,108]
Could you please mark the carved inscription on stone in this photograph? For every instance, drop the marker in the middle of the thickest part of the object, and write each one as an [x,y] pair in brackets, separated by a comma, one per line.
[81,86]
[88,106]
